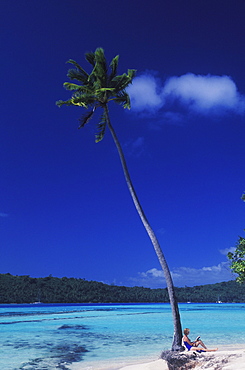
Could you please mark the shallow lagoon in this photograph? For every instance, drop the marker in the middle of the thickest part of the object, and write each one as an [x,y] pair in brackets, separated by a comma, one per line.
[35,337]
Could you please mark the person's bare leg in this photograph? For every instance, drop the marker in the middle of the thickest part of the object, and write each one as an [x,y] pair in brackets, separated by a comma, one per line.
[200,342]
[203,349]
[211,350]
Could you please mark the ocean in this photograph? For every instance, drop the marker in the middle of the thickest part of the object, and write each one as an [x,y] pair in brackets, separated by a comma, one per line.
[57,336]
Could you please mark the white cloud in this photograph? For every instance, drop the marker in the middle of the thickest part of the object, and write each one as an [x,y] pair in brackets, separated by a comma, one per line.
[188,276]
[153,273]
[202,93]
[227,250]
[197,93]
[145,93]
[204,275]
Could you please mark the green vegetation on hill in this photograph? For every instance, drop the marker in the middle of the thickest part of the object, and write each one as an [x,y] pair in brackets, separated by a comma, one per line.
[25,289]
[238,257]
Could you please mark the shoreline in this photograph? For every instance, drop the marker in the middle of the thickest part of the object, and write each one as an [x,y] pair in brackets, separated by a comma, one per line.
[230,357]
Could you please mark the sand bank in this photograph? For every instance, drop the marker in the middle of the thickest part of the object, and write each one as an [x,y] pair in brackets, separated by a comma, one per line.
[227,358]
[154,365]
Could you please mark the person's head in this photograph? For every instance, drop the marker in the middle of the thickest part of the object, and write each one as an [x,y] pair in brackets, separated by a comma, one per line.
[186,331]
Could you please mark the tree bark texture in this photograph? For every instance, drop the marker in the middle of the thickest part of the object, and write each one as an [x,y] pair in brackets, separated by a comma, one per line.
[177,339]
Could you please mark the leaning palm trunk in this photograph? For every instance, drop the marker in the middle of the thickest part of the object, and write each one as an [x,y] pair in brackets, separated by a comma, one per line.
[95,91]
[176,346]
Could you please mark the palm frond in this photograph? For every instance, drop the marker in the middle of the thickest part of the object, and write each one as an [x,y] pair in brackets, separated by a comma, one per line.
[120,82]
[79,89]
[71,86]
[101,129]
[84,119]
[106,89]
[84,99]
[77,66]
[63,102]
[90,57]
[71,101]
[114,65]
[99,72]
[131,74]
[123,99]
[79,102]
[76,74]
[101,60]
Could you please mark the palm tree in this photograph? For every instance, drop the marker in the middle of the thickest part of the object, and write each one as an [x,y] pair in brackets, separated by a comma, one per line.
[96,90]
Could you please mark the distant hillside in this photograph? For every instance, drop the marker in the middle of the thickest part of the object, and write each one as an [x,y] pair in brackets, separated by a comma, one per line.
[25,289]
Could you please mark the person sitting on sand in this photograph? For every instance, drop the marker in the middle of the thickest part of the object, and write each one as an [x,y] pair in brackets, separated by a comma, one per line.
[193,345]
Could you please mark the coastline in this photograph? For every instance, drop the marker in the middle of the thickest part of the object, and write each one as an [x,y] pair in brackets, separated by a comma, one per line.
[228,357]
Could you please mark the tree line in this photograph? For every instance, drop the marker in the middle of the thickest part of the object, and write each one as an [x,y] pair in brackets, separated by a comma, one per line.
[25,289]
[237,258]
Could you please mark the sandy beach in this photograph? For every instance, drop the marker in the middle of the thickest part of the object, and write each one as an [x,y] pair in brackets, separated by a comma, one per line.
[227,358]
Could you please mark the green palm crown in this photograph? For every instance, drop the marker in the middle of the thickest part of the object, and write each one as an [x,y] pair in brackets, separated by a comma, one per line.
[97,88]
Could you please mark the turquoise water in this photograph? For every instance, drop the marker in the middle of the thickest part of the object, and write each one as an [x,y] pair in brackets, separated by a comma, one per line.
[36,337]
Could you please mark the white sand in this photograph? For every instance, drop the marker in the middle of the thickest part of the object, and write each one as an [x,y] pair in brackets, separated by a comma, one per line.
[116,364]
[154,365]
[226,358]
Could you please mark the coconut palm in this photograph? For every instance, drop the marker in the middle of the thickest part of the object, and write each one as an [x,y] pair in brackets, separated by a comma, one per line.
[94,91]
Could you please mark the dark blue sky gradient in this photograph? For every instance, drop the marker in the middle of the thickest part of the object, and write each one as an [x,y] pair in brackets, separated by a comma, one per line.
[64,207]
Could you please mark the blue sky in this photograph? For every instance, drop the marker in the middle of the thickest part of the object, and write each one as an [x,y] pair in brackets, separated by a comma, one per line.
[65,209]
